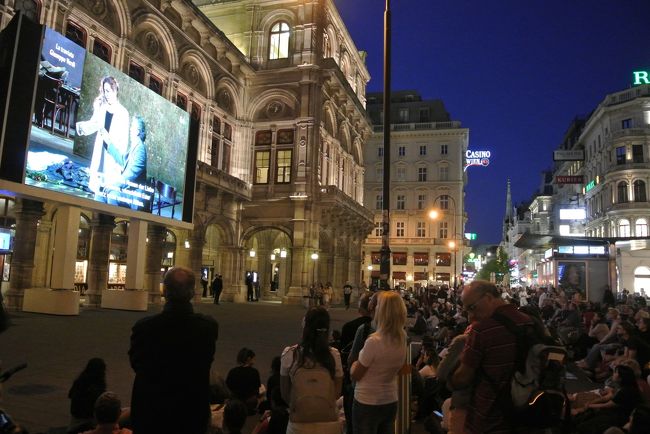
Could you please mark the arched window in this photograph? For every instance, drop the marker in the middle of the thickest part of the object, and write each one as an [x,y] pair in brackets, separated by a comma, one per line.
[641,279]
[641,228]
[622,192]
[279,41]
[624,228]
[639,191]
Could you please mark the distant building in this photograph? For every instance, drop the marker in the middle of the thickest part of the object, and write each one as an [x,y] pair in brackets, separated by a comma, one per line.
[427,157]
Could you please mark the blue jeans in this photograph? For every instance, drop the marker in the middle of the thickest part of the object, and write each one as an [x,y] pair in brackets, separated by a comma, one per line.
[374,419]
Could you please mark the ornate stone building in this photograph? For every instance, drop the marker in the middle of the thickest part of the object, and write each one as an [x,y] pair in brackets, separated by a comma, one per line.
[278,91]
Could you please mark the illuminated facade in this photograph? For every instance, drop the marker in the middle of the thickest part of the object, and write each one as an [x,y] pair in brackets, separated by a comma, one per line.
[427,157]
[278,91]
[616,178]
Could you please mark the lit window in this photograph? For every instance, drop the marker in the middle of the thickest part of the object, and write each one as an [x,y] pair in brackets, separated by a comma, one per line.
[624,228]
[422,174]
[443,230]
[283,167]
[421,230]
[422,200]
[401,201]
[444,173]
[279,41]
[444,202]
[400,229]
[378,231]
[641,228]
[262,165]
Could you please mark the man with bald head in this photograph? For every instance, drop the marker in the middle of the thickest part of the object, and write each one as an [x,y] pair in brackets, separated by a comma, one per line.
[488,359]
[171,354]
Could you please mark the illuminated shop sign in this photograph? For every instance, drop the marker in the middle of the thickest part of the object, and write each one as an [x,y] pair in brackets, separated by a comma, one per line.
[641,77]
[476,158]
[573,214]
[569,155]
[569,179]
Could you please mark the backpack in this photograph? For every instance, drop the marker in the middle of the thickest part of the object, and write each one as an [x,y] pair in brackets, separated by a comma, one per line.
[537,392]
[313,393]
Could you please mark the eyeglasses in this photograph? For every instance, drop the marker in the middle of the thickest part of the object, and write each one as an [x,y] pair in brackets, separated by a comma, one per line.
[472,307]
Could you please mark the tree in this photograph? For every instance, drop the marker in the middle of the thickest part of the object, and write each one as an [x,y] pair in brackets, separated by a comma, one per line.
[500,265]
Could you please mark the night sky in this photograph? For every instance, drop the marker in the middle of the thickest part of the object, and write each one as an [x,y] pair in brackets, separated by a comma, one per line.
[514,72]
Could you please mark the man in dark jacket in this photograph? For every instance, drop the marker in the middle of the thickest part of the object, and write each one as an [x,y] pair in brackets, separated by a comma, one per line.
[171,354]
[217,287]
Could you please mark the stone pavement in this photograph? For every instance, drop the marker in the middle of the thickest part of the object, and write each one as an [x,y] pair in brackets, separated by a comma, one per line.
[57,349]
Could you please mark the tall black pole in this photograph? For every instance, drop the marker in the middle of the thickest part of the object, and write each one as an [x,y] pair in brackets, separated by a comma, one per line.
[384,266]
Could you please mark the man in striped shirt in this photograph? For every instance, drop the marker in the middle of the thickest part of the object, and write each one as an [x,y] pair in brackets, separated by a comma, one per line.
[488,359]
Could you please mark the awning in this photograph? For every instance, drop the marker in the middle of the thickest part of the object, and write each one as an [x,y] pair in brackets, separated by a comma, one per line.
[539,241]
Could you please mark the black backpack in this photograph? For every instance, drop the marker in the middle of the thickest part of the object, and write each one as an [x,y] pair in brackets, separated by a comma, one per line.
[537,395]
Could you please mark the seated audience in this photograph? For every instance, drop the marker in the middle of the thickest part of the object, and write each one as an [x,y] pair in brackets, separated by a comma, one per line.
[83,394]
[107,410]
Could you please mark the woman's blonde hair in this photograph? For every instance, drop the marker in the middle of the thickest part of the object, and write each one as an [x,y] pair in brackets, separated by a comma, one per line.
[390,316]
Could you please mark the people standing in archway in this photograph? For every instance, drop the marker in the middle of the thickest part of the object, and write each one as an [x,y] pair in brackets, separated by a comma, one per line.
[249,287]
[217,287]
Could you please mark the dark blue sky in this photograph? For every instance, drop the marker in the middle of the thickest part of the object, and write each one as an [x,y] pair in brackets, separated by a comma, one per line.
[514,72]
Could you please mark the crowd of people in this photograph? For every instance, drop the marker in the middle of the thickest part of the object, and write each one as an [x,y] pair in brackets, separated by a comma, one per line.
[331,382]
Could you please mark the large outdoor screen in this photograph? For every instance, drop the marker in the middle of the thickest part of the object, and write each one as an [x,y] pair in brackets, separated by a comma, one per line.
[98,134]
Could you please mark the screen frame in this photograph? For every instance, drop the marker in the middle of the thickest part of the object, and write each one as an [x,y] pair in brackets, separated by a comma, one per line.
[14,147]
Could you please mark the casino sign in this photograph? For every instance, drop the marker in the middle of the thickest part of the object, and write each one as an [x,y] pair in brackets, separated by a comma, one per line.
[476,158]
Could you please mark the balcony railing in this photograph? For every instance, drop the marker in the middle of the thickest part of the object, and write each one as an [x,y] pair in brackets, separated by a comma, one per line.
[628,95]
[419,126]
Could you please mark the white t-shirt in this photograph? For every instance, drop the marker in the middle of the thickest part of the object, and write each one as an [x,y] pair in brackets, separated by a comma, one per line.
[288,357]
[383,358]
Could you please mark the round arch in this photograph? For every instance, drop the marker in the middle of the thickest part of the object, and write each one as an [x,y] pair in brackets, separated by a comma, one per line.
[281,95]
[194,57]
[229,86]
[155,25]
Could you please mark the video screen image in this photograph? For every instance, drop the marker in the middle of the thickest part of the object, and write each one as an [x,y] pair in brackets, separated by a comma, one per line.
[100,135]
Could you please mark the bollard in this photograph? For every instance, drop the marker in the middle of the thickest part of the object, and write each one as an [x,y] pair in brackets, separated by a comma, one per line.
[403,419]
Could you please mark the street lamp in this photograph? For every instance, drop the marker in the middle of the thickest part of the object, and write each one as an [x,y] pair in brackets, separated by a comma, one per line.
[314,257]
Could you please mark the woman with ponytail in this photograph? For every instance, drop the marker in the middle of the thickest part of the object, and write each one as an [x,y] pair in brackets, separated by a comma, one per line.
[311,376]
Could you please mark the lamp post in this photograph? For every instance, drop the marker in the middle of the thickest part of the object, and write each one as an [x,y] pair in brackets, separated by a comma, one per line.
[314,257]
[384,267]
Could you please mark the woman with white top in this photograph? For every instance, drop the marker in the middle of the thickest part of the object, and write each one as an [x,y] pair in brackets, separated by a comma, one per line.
[375,372]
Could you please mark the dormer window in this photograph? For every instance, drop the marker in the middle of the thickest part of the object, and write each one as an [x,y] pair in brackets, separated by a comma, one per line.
[279,41]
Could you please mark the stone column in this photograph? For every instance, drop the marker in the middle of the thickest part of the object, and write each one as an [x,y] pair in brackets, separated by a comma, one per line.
[27,212]
[66,241]
[102,227]
[197,241]
[42,254]
[234,288]
[156,236]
